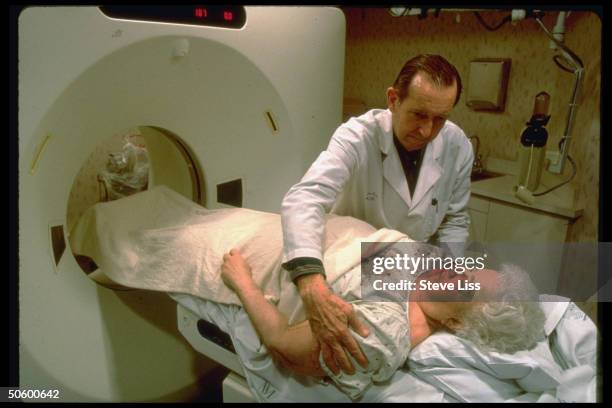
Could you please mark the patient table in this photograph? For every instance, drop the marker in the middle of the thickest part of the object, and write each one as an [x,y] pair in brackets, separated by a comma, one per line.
[139,251]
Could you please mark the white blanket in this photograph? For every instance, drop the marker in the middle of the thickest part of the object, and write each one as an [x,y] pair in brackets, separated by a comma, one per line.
[159,240]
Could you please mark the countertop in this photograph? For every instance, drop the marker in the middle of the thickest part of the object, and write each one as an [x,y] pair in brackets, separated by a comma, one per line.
[559,202]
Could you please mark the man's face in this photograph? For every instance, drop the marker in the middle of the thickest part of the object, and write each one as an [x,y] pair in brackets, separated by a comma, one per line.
[418,119]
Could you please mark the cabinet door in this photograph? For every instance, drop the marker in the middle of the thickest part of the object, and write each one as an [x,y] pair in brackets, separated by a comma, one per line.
[511,223]
[478,225]
[478,209]
[532,240]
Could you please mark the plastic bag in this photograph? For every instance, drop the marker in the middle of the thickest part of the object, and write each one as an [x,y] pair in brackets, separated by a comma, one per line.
[126,172]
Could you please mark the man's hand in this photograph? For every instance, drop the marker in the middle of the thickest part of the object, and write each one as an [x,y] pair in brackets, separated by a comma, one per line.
[330,317]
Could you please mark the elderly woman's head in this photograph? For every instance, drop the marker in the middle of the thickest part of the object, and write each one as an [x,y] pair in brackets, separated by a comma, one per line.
[503,314]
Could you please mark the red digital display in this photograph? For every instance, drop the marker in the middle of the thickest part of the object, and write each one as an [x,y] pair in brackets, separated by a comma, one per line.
[201,12]
[202,15]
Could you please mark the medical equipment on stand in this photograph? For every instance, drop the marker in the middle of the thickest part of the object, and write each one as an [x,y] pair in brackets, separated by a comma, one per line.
[576,67]
[533,151]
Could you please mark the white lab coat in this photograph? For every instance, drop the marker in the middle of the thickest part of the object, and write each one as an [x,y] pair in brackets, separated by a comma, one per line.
[360,174]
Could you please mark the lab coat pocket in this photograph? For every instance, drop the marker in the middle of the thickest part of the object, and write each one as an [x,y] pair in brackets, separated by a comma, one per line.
[435,214]
[431,216]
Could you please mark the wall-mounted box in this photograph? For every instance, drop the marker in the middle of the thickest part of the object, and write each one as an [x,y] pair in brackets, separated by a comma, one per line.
[488,84]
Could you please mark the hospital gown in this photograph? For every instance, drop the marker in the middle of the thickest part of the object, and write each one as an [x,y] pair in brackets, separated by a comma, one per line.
[386,347]
[388,344]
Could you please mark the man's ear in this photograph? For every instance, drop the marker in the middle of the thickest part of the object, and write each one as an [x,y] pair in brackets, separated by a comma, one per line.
[392,98]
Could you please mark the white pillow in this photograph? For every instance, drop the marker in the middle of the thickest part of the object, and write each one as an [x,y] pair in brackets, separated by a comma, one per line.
[574,341]
[460,369]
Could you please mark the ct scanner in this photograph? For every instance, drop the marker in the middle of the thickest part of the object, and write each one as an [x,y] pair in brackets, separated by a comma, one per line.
[252,105]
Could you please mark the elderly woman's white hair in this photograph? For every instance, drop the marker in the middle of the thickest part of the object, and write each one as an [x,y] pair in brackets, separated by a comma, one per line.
[513,321]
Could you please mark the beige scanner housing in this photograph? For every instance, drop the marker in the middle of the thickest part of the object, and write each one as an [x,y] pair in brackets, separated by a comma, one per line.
[214,105]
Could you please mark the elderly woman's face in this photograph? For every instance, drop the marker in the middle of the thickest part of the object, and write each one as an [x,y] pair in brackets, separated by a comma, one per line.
[448,306]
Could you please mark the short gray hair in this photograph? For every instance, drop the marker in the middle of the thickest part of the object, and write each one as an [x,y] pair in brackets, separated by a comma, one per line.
[512,323]
[437,67]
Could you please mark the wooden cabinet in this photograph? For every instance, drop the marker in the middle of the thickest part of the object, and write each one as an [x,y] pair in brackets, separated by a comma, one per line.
[520,235]
[479,210]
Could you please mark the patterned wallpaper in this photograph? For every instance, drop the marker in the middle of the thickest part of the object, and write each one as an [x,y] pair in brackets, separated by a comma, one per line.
[378,45]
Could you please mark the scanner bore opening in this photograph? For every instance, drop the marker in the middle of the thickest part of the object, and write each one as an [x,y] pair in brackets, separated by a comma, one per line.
[116,168]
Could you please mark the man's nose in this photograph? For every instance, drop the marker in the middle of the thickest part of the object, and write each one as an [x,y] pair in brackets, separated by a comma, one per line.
[425,128]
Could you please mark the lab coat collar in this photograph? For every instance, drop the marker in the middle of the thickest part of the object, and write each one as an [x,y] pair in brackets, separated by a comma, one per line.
[392,167]
[430,169]
[385,138]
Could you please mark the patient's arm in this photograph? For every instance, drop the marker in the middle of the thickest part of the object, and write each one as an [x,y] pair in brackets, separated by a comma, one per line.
[294,346]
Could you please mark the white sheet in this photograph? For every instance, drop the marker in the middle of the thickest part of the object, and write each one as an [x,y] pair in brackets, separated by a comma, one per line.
[574,345]
[442,369]
[561,368]
[269,383]
[159,240]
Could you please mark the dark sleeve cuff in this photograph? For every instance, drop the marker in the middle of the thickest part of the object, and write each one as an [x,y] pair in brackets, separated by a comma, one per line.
[303,266]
